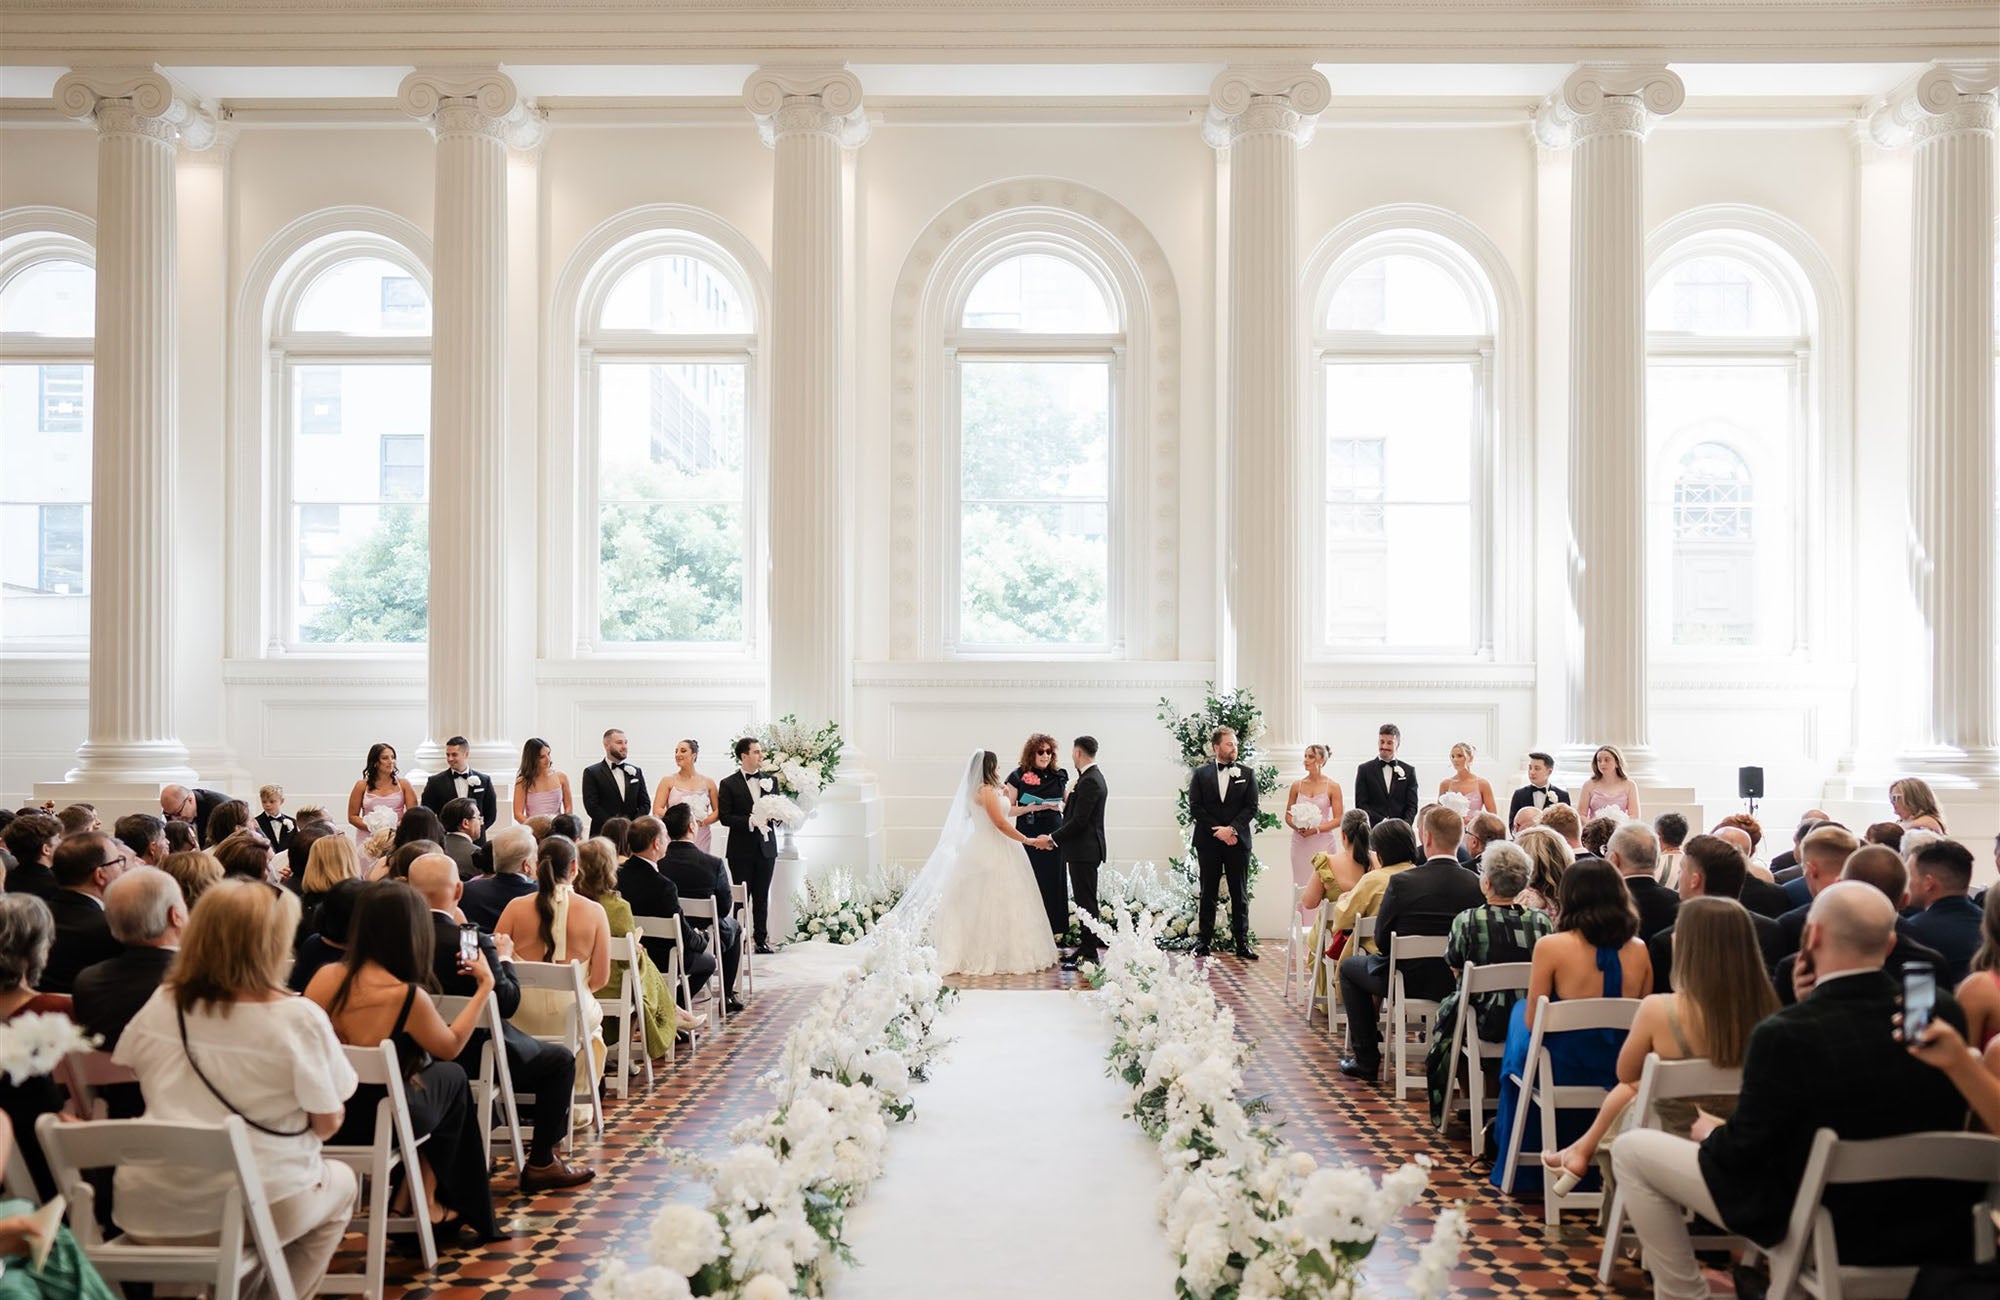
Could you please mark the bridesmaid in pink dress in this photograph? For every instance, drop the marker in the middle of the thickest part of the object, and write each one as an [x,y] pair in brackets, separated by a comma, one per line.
[1463,780]
[1608,786]
[380,786]
[686,785]
[1322,793]
[539,790]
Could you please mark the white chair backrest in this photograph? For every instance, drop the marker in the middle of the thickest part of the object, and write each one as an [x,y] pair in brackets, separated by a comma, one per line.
[1413,947]
[625,948]
[557,975]
[1663,1080]
[448,1008]
[1500,977]
[657,927]
[1955,1157]
[1364,928]
[700,909]
[1584,1013]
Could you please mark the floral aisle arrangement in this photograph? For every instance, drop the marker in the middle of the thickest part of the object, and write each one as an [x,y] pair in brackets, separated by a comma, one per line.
[803,759]
[1238,711]
[775,1222]
[1250,1218]
[840,906]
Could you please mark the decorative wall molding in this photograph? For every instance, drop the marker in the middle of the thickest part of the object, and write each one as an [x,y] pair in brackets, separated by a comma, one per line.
[137,101]
[470,100]
[825,100]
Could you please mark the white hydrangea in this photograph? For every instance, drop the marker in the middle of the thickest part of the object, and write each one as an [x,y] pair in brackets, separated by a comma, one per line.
[685,1239]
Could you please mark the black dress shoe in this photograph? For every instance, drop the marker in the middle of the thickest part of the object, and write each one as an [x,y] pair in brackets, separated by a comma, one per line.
[1201,950]
[1246,954]
[735,1006]
[1354,1069]
[766,950]
[1069,962]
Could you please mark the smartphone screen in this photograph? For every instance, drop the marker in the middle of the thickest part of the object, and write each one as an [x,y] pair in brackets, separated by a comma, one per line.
[1919,999]
[468,942]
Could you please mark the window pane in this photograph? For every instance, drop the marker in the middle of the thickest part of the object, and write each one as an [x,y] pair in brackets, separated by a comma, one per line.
[1718,296]
[675,295]
[1401,293]
[364,296]
[55,299]
[364,574]
[1033,430]
[670,449]
[1034,575]
[45,430]
[1039,293]
[343,415]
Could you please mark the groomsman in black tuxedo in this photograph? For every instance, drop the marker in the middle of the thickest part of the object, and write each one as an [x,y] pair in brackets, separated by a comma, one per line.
[1222,799]
[459,781]
[753,854]
[615,787]
[1081,839]
[1538,793]
[1386,787]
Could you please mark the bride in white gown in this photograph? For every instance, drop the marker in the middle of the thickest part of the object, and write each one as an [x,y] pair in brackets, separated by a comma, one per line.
[986,914]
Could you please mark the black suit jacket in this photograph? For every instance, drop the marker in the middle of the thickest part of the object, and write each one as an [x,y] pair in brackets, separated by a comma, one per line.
[487,897]
[1657,905]
[600,794]
[1833,1062]
[278,830]
[83,938]
[1661,949]
[1381,801]
[34,878]
[453,982]
[1905,951]
[108,994]
[691,874]
[1425,900]
[1764,898]
[205,803]
[441,789]
[1210,808]
[1950,925]
[734,802]
[650,892]
[1525,798]
[1081,835]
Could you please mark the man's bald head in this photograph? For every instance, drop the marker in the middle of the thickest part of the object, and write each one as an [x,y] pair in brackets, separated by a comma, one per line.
[1735,835]
[1880,866]
[1851,926]
[1528,816]
[435,876]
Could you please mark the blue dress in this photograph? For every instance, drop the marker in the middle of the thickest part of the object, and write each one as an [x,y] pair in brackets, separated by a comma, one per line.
[1579,1058]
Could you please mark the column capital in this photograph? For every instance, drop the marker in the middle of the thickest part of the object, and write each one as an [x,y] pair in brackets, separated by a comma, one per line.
[1624,98]
[472,101]
[815,100]
[1259,100]
[141,101]
[1946,97]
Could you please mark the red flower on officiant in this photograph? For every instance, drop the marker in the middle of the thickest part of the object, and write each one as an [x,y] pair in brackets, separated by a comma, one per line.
[1029,778]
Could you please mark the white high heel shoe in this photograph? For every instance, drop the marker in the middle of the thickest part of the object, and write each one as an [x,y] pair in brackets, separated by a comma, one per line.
[1566,1181]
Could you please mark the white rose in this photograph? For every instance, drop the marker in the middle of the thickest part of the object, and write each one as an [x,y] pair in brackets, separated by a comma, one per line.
[686,1239]
[765,1287]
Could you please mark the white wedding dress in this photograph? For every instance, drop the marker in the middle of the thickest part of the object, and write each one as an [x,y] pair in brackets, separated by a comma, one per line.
[978,891]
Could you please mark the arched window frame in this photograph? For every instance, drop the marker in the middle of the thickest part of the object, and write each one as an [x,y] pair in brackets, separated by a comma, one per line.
[30,236]
[1502,509]
[1100,237]
[1808,496]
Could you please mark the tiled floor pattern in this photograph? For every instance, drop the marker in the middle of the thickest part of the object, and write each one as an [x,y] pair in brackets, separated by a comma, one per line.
[561,1240]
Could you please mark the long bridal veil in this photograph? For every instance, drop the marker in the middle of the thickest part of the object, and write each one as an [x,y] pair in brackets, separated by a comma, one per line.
[960,825]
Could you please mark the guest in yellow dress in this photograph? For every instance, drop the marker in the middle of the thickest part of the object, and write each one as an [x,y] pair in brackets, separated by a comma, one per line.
[597,879]
[1334,874]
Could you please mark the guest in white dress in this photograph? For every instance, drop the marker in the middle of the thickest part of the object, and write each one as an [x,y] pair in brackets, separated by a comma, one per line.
[686,785]
[1608,786]
[1316,789]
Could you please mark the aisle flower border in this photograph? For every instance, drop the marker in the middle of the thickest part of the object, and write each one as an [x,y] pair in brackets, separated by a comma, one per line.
[775,1222]
[843,905]
[1248,1217]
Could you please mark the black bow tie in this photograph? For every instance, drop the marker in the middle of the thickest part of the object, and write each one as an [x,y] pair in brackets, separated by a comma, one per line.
[1539,789]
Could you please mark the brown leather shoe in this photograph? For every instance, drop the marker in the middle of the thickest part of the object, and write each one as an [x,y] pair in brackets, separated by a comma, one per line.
[556,1175]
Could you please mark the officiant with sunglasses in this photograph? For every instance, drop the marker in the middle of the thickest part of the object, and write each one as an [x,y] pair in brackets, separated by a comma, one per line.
[616,787]
[1036,789]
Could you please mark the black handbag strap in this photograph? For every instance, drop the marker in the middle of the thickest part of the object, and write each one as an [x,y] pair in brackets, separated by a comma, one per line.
[216,1092]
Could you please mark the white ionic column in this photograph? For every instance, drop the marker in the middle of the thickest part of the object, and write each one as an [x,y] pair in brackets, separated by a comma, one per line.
[132,745]
[475,116]
[810,117]
[1602,114]
[1948,116]
[1263,116]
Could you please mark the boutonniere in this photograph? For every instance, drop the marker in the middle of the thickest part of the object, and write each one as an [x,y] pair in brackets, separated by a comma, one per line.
[1398,770]
[472,783]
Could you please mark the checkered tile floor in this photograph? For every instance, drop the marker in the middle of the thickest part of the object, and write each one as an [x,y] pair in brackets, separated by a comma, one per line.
[561,1239]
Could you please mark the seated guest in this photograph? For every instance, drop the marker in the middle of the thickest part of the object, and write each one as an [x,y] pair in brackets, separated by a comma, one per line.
[541,825]
[567,825]
[1753,829]
[398,867]
[1885,833]
[1481,830]
[462,830]
[650,892]
[1793,881]
[544,1069]
[1499,930]
[272,823]
[195,807]
[1759,894]
[85,866]
[330,861]
[697,874]
[229,817]
[1635,853]
[1562,819]
[1876,866]
[1525,818]
[377,995]
[419,823]
[1672,828]
[597,880]
[222,1037]
[1422,900]
[1943,917]
[1786,868]
[1390,847]
[298,854]
[1710,868]
[147,915]
[1597,834]
[194,871]
[245,856]
[1594,953]
[488,896]
[1833,1061]
[78,818]
[1979,991]
[1334,873]
[31,838]
[1915,806]
[26,934]
[553,924]
[1722,989]
[1550,856]
[181,836]
[615,829]
[145,835]
[327,944]
[1824,856]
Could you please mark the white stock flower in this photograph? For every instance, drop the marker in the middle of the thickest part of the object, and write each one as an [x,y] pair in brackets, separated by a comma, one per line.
[750,1176]
[685,1239]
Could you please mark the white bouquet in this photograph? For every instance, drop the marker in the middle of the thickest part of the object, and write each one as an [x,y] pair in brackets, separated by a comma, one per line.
[34,1043]
[379,819]
[1305,817]
[775,810]
[1457,802]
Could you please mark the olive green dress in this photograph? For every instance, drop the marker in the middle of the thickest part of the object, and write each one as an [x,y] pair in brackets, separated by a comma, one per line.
[659,998]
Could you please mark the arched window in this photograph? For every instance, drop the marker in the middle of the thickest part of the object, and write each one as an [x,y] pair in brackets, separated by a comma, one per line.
[351,384]
[667,351]
[1728,321]
[1033,367]
[1404,343]
[48,300]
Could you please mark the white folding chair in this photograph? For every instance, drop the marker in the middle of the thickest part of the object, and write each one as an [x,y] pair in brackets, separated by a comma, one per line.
[739,907]
[1539,1088]
[1364,928]
[1809,1256]
[1318,968]
[703,909]
[1667,1081]
[247,1238]
[83,1075]
[494,1083]
[669,928]
[1468,1047]
[395,1145]
[567,977]
[1296,956]
[1401,1010]
[628,1011]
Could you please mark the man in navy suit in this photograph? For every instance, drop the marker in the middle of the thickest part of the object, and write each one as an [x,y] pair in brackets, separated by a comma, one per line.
[1386,787]
[1945,919]
[1222,800]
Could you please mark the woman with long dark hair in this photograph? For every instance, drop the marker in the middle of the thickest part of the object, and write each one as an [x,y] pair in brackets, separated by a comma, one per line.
[381,787]
[557,924]
[687,785]
[540,790]
[1035,791]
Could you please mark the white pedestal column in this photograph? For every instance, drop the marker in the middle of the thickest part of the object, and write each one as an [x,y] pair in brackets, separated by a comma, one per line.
[132,746]
[1602,114]
[1948,116]
[810,117]
[475,115]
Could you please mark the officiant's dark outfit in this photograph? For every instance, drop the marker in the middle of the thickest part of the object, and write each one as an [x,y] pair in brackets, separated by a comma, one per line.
[1223,795]
[753,856]
[1045,787]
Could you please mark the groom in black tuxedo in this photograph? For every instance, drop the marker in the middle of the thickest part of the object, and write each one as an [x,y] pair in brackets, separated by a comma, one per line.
[1222,799]
[1081,839]
[753,855]
[1386,787]
[615,787]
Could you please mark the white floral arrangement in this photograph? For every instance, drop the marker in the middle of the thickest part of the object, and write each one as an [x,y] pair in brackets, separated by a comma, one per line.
[1457,802]
[841,907]
[34,1043]
[802,758]
[770,810]
[1248,1216]
[774,1226]
[379,819]
[1306,817]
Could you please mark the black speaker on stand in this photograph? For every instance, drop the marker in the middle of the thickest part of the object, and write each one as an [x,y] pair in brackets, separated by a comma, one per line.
[1750,786]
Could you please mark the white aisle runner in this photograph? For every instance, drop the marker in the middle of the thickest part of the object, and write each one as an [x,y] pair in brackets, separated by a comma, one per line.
[1020,1176]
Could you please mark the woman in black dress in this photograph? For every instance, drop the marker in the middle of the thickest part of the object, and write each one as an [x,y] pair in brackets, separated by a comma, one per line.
[1035,789]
